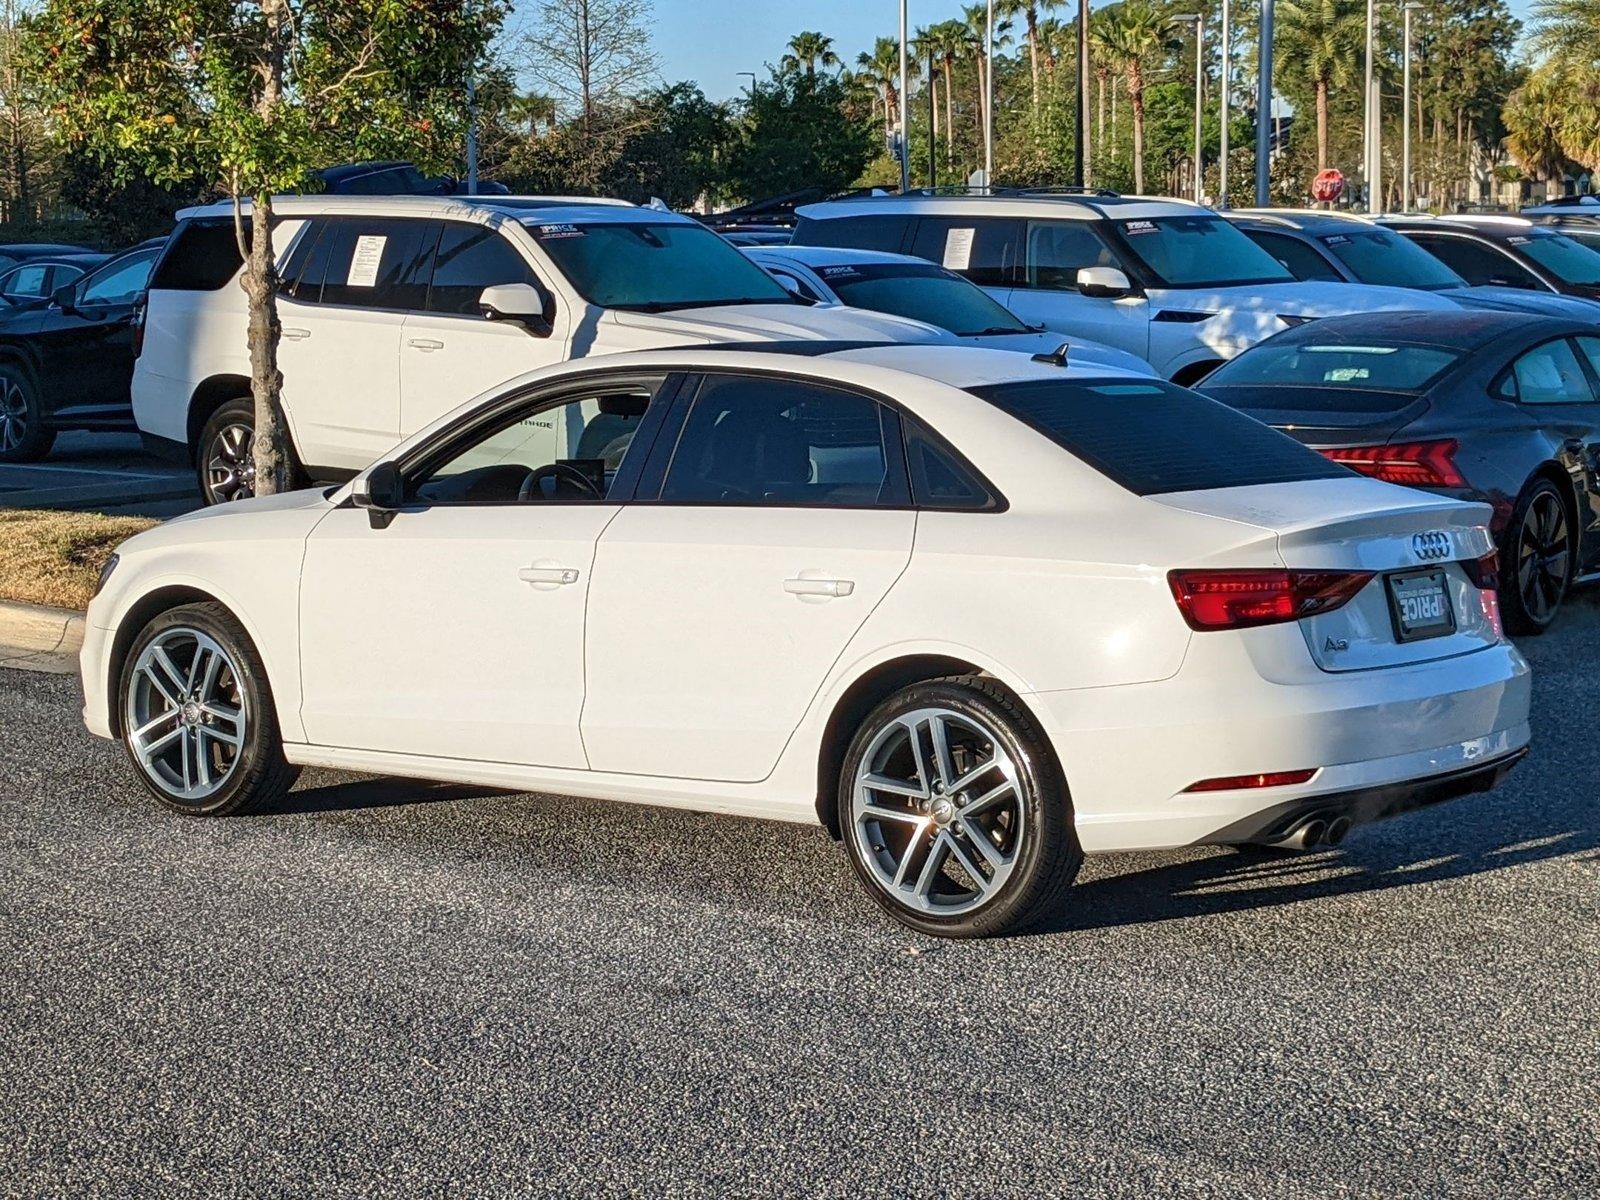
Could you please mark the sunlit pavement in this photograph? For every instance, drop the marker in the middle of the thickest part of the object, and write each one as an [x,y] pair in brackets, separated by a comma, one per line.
[407,988]
[100,472]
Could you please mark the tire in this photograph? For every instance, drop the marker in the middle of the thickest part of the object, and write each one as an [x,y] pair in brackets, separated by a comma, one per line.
[198,722]
[224,459]
[1536,560]
[1033,853]
[24,437]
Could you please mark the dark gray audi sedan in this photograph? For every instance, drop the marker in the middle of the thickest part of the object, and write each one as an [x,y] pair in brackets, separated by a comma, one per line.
[1494,406]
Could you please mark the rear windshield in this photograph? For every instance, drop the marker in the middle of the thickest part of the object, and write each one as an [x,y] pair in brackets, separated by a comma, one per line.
[1393,367]
[922,292]
[201,256]
[1153,437]
[1391,260]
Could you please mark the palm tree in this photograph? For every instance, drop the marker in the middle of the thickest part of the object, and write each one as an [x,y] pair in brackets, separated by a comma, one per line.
[948,43]
[1322,39]
[1565,28]
[976,20]
[1138,35]
[1057,40]
[882,67]
[807,51]
[1533,118]
[1029,11]
[1102,58]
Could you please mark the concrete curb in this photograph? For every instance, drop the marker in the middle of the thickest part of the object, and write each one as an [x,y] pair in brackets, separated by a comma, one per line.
[36,637]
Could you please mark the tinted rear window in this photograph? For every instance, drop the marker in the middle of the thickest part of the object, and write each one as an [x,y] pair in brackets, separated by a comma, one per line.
[1153,437]
[1367,367]
[883,232]
[201,257]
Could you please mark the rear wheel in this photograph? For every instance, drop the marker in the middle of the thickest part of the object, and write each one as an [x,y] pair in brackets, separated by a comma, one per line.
[1536,560]
[955,815]
[198,721]
[226,456]
[24,436]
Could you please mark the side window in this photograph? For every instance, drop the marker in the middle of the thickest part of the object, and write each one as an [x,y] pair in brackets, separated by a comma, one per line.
[1550,374]
[471,258]
[987,250]
[25,281]
[1057,250]
[793,282]
[120,282]
[1590,348]
[201,256]
[301,274]
[1299,259]
[885,231]
[1478,264]
[569,451]
[939,479]
[759,440]
[376,263]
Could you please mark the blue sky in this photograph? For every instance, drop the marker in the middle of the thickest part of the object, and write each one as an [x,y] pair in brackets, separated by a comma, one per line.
[711,41]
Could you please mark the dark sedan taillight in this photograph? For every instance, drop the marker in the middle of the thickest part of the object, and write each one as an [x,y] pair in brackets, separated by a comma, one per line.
[138,329]
[1414,464]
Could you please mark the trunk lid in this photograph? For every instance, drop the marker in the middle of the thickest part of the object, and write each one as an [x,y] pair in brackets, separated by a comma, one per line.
[1326,416]
[1413,543]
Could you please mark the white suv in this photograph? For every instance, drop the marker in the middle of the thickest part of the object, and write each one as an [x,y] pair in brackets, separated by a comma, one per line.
[1169,281]
[397,309]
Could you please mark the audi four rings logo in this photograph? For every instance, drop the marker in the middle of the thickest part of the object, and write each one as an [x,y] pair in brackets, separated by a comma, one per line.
[1431,546]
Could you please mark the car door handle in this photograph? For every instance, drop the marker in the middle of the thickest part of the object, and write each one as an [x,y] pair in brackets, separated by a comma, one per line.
[819,587]
[426,345]
[548,575]
[295,335]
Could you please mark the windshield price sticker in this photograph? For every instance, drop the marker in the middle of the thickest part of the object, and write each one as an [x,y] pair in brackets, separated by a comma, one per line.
[1337,239]
[1134,228]
[559,231]
[1518,241]
[958,249]
[365,261]
[839,272]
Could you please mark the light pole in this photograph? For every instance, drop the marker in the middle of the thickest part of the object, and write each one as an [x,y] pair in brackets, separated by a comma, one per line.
[988,99]
[752,76]
[1227,87]
[1370,167]
[905,121]
[1080,155]
[1264,108]
[1405,114]
[1198,21]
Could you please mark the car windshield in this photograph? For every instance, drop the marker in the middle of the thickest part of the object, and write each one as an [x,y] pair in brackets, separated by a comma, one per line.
[1563,257]
[923,292]
[1376,366]
[1199,251]
[655,266]
[1378,256]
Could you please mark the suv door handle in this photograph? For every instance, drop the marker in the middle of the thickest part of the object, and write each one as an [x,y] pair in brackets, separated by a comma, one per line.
[293,334]
[831,588]
[426,345]
[548,575]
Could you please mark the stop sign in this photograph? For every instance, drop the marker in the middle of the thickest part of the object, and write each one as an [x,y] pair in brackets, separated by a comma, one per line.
[1328,186]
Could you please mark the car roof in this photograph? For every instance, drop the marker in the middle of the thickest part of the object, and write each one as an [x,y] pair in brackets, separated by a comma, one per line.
[86,258]
[519,208]
[1456,329]
[37,249]
[1303,220]
[835,256]
[1494,228]
[1084,206]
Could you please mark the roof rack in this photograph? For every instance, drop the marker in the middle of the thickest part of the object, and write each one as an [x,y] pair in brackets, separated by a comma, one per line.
[1067,189]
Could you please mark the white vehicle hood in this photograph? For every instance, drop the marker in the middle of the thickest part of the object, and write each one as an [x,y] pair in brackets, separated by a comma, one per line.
[1296,299]
[1079,350]
[770,323]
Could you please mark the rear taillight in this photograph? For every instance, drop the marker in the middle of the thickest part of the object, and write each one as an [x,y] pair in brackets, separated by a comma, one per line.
[1242,598]
[138,331]
[1415,464]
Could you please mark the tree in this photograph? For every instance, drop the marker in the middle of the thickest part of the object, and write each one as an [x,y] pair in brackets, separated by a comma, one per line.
[1321,40]
[808,51]
[947,41]
[976,17]
[795,134]
[1533,117]
[1029,11]
[675,153]
[881,65]
[1138,37]
[252,97]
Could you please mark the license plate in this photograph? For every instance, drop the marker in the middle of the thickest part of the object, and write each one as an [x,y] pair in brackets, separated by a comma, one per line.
[1420,606]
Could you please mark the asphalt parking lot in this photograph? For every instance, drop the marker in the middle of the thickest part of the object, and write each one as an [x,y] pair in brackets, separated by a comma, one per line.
[105,472]
[408,989]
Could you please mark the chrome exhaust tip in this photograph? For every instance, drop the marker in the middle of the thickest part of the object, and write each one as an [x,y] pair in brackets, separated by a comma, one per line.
[1337,829]
[1304,835]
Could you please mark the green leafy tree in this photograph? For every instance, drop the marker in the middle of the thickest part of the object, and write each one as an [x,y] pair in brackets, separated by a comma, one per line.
[676,153]
[807,51]
[253,97]
[1321,41]
[881,67]
[795,134]
[1534,117]
[1138,38]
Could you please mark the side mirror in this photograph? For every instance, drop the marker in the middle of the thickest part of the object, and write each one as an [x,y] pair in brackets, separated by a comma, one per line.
[380,491]
[65,297]
[1105,282]
[519,302]
[792,286]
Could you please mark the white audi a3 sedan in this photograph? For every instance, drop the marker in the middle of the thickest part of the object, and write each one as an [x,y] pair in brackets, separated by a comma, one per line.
[976,614]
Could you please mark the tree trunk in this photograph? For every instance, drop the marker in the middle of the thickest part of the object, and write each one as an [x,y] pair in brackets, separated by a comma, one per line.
[1136,97]
[1100,80]
[272,460]
[949,110]
[1322,124]
[1033,52]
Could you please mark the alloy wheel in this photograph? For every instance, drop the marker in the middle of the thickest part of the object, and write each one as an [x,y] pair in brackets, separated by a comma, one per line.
[13,415]
[1543,556]
[937,812]
[231,463]
[185,714]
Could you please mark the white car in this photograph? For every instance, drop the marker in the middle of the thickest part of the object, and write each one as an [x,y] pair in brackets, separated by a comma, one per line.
[913,287]
[395,309]
[1167,280]
[974,613]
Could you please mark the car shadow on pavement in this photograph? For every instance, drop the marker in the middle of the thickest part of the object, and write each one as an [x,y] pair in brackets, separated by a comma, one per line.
[380,792]
[1375,859]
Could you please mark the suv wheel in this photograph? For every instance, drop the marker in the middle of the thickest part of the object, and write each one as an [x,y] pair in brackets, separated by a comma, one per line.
[226,455]
[1536,561]
[197,716]
[24,436]
[954,813]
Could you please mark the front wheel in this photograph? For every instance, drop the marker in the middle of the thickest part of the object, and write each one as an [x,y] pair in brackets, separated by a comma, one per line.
[1536,561]
[954,813]
[198,721]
